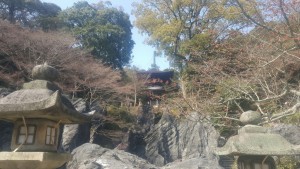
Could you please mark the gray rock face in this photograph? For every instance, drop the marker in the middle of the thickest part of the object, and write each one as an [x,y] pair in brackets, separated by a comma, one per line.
[291,133]
[173,139]
[92,156]
[4,92]
[136,142]
[194,163]
[288,131]
[73,136]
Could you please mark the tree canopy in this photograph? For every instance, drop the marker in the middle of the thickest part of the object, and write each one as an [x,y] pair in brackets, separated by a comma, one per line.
[81,75]
[105,30]
[182,28]
[28,13]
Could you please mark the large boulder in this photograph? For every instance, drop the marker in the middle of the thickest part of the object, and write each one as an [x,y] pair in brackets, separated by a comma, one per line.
[181,139]
[92,156]
[193,163]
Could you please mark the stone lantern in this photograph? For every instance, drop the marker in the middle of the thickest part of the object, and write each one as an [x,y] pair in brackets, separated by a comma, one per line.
[255,146]
[37,111]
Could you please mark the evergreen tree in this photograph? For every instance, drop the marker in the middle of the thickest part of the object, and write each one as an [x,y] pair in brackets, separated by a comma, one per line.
[105,30]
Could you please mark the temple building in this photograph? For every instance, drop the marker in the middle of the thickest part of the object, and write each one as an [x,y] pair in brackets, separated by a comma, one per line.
[156,84]
[37,111]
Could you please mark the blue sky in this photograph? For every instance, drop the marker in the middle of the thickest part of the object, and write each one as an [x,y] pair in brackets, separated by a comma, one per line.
[143,54]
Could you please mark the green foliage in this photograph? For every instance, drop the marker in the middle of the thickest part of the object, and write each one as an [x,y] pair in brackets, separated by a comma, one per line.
[200,42]
[235,93]
[29,13]
[48,18]
[287,162]
[182,28]
[294,119]
[120,113]
[112,126]
[106,31]
[49,23]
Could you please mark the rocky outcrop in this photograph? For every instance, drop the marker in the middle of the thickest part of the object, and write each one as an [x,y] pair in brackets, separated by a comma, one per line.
[181,139]
[288,131]
[179,143]
[74,135]
[291,133]
[4,92]
[137,133]
[193,163]
[102,130]
[92,156]
[136,143]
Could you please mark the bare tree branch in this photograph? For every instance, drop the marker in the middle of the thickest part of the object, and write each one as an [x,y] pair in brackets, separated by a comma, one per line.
[285,113]
[255,22]
[281,4]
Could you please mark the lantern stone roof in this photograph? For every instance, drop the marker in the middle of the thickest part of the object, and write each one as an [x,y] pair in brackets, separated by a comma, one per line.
[256,140]
[40,98]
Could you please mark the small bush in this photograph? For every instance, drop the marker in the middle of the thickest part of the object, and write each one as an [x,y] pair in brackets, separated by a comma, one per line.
[287,162]
[120,113]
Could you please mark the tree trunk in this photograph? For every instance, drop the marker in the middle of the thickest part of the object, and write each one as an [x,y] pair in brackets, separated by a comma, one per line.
[183,87]
[11,12]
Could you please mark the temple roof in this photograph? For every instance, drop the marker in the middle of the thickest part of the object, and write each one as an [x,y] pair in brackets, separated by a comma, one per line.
[163,75]
[256,140]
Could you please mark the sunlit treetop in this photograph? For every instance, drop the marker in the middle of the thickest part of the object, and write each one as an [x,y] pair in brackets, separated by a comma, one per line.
[105,30]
